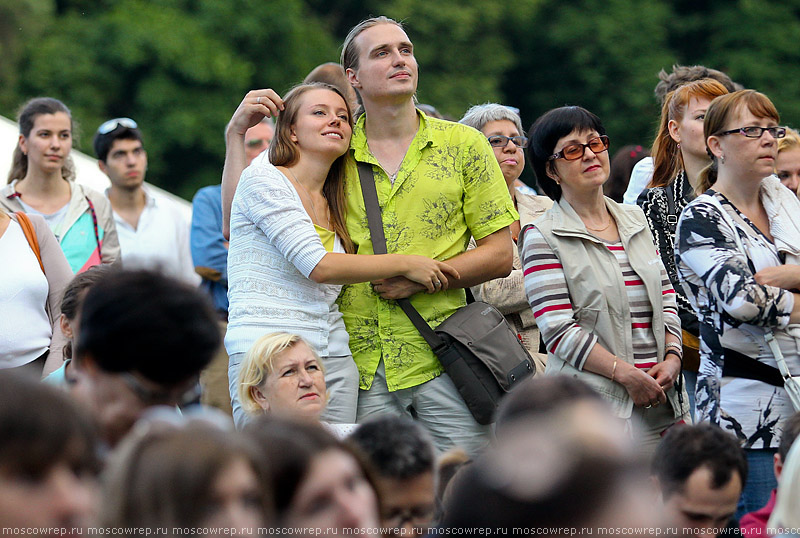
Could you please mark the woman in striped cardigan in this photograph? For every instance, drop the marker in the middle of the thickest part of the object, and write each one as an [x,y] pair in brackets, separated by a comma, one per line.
[601,296]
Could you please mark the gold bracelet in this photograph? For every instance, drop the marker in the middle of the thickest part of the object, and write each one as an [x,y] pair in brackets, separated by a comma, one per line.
[614,369]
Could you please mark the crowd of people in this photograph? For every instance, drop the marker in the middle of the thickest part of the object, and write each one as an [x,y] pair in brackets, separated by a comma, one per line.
[663,331]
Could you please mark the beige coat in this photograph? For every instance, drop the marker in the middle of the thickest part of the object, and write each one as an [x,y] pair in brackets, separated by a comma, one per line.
[508,294]
[598,296]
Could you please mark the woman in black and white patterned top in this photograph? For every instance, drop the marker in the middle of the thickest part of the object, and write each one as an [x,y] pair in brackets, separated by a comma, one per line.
[737,255]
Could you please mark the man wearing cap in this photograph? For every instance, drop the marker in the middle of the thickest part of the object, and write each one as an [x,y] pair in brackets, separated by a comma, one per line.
[153,232]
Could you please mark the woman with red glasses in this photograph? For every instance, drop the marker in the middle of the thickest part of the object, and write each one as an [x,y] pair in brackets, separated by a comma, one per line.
[601,296]
[42,182]
[738,257]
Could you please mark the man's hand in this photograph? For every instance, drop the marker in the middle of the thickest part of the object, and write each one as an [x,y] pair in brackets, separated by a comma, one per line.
[398,287]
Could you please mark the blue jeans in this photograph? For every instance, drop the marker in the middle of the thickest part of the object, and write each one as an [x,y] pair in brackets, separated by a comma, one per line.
[760,481]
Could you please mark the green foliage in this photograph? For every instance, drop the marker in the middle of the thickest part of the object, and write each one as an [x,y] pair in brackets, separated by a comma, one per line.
[180,67]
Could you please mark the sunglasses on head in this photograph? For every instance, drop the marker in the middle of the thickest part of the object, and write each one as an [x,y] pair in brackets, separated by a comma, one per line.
[112,125]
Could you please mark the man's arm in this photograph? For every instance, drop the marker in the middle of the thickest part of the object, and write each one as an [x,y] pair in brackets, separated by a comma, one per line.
[491,259]
[255,106]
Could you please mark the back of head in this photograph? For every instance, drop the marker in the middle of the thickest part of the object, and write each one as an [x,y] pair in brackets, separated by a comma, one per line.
[683,74]
[479,115]
[398,448]
[333,74]
[684,449]
[145,322]
[532,476]
[545,133]
[74,293]
[539,396]
[722,110]
[163,476]
[26,117]
[40,427]
[667,159]
[111,131]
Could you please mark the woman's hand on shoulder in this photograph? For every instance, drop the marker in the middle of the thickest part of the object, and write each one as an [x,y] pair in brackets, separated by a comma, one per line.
[786,277]
[643,389]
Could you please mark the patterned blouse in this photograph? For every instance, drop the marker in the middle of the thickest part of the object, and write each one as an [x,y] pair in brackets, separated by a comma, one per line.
[734,311]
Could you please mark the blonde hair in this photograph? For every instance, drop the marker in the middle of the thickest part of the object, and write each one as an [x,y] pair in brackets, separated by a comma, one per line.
[791,140]
[259,363]
[722,109]
[667,158]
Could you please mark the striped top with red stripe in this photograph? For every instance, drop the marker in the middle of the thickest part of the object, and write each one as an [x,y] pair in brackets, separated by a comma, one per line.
[548,296]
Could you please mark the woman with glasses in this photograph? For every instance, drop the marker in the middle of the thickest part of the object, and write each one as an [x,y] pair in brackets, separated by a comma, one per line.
[502,127]
[738,250]
[42,182]
[679,155]
[600,294]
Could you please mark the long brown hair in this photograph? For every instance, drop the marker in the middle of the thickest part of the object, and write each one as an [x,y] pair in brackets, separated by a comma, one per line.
[667,158]
[26,118]
[283,152]
[722,109]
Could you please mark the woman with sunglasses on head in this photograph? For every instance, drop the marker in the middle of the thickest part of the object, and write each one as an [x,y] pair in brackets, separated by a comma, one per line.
[290,251]
[737,254]
[600,294]
[42,182]
[679,155]
[502,127]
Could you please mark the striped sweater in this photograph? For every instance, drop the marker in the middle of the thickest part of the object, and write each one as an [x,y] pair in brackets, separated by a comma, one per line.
[548,295]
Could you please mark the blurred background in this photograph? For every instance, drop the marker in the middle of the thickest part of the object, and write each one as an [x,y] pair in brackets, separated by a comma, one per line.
[180,67]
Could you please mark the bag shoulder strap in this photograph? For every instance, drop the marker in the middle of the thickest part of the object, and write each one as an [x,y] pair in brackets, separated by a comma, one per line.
[375,222]
[30,234]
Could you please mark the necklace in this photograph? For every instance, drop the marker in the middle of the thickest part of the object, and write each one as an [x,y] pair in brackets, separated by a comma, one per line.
[604,228]
[310,200]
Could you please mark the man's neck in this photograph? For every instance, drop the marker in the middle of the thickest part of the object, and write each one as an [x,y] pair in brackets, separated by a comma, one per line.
[395,121]
[128,203]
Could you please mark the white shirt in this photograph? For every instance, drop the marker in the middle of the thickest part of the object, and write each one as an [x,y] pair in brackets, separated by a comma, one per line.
[640,176]
[25,330]
[159,241]
[273,250]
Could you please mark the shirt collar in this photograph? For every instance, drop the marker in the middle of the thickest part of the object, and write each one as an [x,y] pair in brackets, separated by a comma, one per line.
[358,142]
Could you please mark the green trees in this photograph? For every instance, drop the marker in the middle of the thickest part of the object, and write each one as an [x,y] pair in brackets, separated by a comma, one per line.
[179,67]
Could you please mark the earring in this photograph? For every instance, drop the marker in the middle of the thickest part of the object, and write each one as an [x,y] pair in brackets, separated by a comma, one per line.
[679,145]
[722,159]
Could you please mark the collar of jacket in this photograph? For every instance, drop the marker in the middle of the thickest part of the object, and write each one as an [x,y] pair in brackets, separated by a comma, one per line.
[566,221]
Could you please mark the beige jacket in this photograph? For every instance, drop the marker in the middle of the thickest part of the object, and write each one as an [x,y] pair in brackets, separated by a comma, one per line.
[508,294]
[598,296]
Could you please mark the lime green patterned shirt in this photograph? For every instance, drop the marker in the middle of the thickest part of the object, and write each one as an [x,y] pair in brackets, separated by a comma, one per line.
[449,187]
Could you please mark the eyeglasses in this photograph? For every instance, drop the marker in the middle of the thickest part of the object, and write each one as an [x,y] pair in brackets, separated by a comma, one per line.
[576,151]
[186,394]
[754,131]
[500,141]
[112,125]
